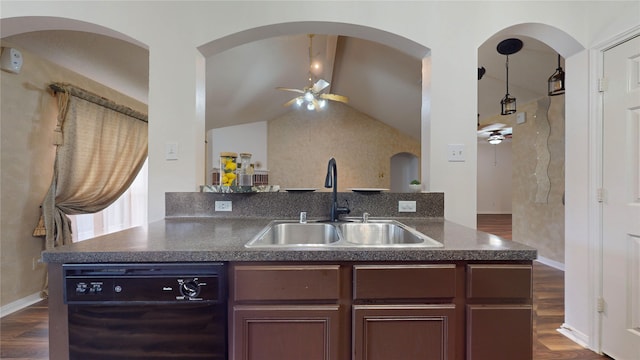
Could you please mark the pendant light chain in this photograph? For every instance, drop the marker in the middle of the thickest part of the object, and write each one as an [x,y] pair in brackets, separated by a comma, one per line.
[507,67]
[310,58]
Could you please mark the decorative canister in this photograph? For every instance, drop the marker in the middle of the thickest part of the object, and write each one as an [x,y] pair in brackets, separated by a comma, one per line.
[228,168]
[245,173]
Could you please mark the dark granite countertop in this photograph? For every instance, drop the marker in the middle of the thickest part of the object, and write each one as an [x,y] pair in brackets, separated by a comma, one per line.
[197,239]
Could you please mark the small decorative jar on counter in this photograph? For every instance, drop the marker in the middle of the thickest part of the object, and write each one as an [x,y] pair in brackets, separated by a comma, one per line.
[228,167]
[245,172]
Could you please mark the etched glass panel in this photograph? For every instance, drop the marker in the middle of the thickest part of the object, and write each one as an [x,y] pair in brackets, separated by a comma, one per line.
[543,156]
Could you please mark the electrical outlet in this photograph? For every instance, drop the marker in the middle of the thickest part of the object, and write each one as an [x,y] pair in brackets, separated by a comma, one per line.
[406,206]
[223,206]
[36,263]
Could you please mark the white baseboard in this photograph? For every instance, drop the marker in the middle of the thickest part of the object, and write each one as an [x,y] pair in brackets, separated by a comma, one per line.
[554,264]
[20,304]
[574,335]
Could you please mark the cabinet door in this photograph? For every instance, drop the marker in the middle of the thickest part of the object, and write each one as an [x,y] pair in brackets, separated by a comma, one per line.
[499,332]
[286,332]
[416,332]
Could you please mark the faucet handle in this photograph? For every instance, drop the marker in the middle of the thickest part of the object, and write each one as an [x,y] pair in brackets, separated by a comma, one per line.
[365,217]
[303,217]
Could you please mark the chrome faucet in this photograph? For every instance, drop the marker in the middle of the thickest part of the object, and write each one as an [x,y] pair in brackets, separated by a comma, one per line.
[332,181]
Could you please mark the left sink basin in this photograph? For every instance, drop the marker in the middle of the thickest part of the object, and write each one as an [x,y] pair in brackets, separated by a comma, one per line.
[278,234]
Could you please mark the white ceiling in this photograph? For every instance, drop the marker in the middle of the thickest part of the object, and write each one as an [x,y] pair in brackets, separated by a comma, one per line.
[380,81]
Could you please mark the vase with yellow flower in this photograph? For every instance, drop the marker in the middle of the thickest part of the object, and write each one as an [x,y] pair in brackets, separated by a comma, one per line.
[228,167]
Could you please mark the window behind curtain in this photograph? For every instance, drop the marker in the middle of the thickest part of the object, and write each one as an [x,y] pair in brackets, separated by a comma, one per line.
[128,211]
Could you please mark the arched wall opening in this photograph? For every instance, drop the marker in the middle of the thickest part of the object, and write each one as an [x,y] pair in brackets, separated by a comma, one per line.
[238,44]
[405,168]
[541,224]
[24,24]
[29,114]
[538,132]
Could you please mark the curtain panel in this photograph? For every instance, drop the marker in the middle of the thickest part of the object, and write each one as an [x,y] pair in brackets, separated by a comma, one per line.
[100,150]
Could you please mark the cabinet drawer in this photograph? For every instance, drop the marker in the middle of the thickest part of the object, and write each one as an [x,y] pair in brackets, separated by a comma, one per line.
[404,281]
[284,282]
[499,281]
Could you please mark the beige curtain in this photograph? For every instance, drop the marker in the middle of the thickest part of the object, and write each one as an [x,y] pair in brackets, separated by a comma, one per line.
[101,148]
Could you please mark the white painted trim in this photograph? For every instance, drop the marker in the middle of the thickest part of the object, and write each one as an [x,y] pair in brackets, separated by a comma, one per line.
[554,264]
[574,335]
[20,304]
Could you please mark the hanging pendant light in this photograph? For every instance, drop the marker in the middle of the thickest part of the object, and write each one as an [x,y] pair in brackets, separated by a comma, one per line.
[508,102]
[508,47]
[556,81]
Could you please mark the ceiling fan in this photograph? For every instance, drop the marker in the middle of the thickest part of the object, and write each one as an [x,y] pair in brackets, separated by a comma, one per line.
[495,133]
[312,96]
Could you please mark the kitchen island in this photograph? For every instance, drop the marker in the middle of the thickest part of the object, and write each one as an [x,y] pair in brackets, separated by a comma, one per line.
[469,299]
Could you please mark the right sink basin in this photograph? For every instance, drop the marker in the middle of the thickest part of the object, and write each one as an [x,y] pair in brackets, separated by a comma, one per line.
[384,233]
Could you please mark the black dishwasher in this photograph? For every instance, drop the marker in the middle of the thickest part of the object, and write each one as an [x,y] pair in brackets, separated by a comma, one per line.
[146,311]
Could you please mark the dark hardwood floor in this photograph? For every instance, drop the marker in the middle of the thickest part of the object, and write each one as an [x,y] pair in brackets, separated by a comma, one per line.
[24,334]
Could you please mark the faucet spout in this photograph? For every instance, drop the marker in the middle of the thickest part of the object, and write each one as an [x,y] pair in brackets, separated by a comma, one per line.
[331,181]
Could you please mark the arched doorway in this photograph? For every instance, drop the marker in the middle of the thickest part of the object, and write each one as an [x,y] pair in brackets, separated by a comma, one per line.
[404,169]
[531,114]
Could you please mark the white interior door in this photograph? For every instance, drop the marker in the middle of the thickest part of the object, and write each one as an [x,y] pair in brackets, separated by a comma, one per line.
[621,203]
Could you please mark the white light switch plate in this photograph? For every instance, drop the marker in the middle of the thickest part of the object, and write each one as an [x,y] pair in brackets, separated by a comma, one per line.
[406,206]
[171,151]
[455,152]
[224,205]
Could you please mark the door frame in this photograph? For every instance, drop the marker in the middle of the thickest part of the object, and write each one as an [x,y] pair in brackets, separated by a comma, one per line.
[596,168]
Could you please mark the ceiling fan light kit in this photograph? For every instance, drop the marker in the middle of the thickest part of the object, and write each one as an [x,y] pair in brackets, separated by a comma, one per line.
[496,138]
[508,47]
[495,133]
[556,81]
[311,97]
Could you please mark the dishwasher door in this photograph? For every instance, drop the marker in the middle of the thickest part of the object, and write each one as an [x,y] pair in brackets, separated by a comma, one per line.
[146,311]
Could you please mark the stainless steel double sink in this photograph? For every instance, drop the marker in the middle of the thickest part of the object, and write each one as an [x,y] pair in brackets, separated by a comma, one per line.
[373,233]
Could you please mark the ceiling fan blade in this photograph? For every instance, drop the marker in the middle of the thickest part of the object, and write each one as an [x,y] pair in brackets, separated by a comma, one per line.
[506,131]
[334,97]
[290,89]
[292,101]
[319,86]
[492,127]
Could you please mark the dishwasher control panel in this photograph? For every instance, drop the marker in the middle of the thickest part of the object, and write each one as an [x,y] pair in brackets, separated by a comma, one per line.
[144,283]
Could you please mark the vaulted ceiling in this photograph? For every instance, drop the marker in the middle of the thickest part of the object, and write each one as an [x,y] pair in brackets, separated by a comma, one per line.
[380,81]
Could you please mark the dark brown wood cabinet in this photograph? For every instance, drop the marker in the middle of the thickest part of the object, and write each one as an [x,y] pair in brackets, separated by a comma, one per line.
[286,332]
[288,312]
[413,331]
[499,312]
[404,311]
[371,311]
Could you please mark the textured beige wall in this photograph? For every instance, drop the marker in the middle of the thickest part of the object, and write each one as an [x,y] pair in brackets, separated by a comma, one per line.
[301,142]
[538,224]
[28,117]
